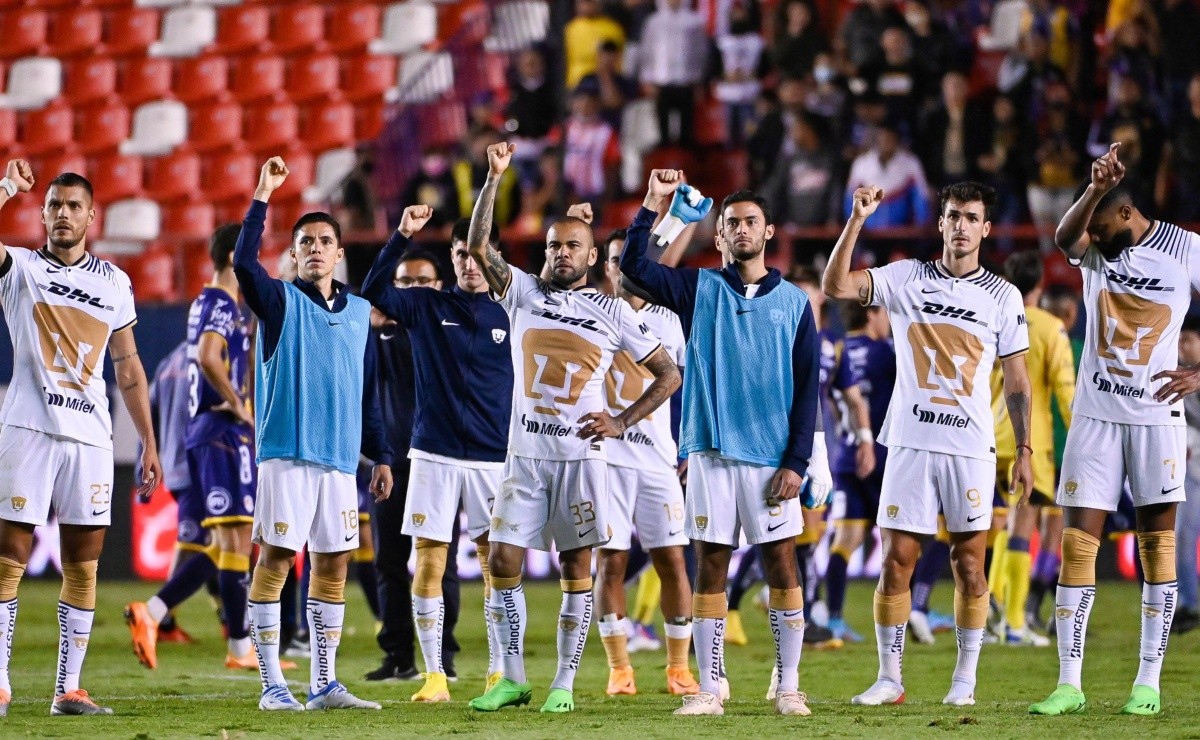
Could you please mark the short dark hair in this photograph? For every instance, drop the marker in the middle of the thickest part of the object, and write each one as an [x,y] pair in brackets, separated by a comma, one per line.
[617,235]
[968,192]
[1024,270]
[748,196]
[73,180]
[318,217]
[462,227]
[222,244]
[1120,195]
[854,314]
[418,255]
[803,274]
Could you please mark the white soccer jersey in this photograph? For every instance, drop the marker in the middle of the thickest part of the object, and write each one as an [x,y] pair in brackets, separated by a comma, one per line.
[948,332]
[60,319]
[1136,305]
[648,444]
[563,342]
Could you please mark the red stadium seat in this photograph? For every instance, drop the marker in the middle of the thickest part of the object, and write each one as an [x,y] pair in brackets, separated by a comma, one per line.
[327,125]
[257,77]
[300,173]
[197,266]
[298,28]
[153,275]
[230,175]
[368,123]
[726,173]
[233,211]
[670,158]
[174,176]
[351,27]
[116,176]
[201,78]
[23,32]
[284,215]
[67,161]
[242,28]
[271,127]
[368,77]
[145,79]
[8,127]
[445,124]
[192,219]
[131,31]
[312,77]
[48,129]
[711,123]
[76,31]
[90,79]
[102,127]
[215,126]
[21,223]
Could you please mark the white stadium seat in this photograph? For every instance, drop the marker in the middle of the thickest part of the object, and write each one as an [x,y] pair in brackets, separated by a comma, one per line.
[424,76]
[159,3]
[32,82]
[406,27]
[186,32]
[158,127]
[128,225]
[331,169]
[517,25]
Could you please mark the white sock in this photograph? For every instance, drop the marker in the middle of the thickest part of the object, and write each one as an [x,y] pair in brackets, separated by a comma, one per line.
[495,660]
[324,635]
[1073,606]
[239,646]
[708,635]
[8,623]
[157,608]
[574,622]
[1158,610]
[890,642]
[429,615]
[74,631]
[787,627]
[970,642]
[612,627]
[264,633]
[675,631]
[508,614]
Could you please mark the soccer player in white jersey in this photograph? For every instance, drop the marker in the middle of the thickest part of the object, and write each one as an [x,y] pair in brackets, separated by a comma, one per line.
[64,307]
[951,320]
[645,492]
[1138,277]
[555,487]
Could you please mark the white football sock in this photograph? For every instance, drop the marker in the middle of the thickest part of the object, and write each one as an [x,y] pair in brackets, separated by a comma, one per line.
[508,613]
[157,609]
[970,642]
[74,632]
[495,661]
[1158,610]
[239,646]
[264,633]
[1073,606]
[708,634]
[574,622]
[429,615]
[889,640]
[8,623]
[787,627]
[324,634]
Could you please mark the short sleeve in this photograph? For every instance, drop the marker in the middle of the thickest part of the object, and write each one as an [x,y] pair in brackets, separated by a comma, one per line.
[126,315]
[635,337]
[14,261]
[520,286]
[219,319]
[1012,331]
[673,340]
[845,375]
[1193,260]
[886,280]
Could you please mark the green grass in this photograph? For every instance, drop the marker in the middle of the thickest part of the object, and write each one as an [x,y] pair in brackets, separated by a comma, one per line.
[193,695]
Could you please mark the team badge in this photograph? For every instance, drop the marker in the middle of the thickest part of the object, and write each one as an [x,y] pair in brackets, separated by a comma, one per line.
[1063,612]
[426,623]
[18,502]
[333,637]
[701,522]
[418,519]
[495,615]
[81,642]
[568,625]
[795,625]
[776,316]
[219,501]
[248,503]
[498,335]
[1071,487]
[269,637]
[1150,612]
[893,511]
[281,528]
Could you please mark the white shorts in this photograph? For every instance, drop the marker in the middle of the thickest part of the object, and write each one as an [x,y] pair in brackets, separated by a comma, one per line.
[40,472]
[651,501]
[301,503]
[1100,455]
[563,503]
[917,482]
[727,497]
[435,487]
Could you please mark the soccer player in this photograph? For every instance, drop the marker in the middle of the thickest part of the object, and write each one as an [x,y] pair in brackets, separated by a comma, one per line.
[1138,276]
[863,375]
[315,411]
[951,319]
[463,377]
[64,307]
[748,425]
[645,492]
[220,455]
[555,485]
[1051,369]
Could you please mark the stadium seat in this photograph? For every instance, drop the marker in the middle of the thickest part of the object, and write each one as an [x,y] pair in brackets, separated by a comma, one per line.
[424,76]
[116,176]
[90,79]
[271,126]
[174,176]
[215,126]
[201,79]
[186,32]
[300,173]
[197,266]
[153,274]
[368,77]
[32,82]
[725,173]
[145,79]
[21,223]
[191,219]
[8,128]
[242,28]
[619,214]
[444,124]
[328,125]
[331,168]
[128,225]
[23,32]
[47,129]
[131,31]
[312,77]
[76,31]
[257,77]
[369,120]
[102,127]
[407,26]
[711,123]
[158,127]
[230,175]
[352,27]
[671,158]
[283,216]
[298,28]
[217,2]
[69,160]
[159,3]
[517,25]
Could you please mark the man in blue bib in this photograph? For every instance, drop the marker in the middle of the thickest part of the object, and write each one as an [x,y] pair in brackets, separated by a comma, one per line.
[315,411]
[749,417]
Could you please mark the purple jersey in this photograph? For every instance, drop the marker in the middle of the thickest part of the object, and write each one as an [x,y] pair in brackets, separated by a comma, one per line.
[216,311]
[869,364]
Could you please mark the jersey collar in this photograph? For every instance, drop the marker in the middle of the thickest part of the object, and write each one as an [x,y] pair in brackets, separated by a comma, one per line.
[943,272]
[310,290]
[49,256]
[768,283]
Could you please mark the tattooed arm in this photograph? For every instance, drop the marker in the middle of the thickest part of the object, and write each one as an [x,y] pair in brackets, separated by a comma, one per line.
[495,270]
[1017,397]
[667,379]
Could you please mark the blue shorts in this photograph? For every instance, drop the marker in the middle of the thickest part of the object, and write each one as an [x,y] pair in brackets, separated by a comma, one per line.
[190,514]
[861,494]
[224,477]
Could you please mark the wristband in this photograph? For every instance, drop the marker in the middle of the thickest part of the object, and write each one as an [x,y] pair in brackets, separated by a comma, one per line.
[865,436]
[1026,447]
[8,186]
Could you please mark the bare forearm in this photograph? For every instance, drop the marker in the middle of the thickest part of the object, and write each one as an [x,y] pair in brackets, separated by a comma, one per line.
[859,408]
[495,269]
[836,282]
[1017,401]
[1074,224]
[131,380]
[658,393]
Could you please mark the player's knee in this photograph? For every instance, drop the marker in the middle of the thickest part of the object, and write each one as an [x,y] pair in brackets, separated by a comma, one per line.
[10,577]
[1157,552]
[79,584]
[1079,551]
[431,566]
[610,566]
[266,585]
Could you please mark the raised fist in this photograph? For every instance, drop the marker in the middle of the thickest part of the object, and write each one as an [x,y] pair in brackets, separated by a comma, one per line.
[21,174]
[866,200]
[499,155]
[414,218]
[273,173]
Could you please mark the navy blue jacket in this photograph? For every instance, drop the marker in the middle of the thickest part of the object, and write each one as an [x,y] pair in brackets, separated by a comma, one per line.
[462,361]
[266,298]
[675,288]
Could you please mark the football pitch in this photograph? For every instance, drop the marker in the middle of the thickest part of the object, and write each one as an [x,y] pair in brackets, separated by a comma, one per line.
[193,695]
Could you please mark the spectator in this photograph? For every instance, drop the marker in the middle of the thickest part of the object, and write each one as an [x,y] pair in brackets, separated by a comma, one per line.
[1061,30]
[632,15]
[862,29]
[827,97]
[1002,164]
[532,111]
[355,206]
[803,189]
[798,40]
[897,79]
[1027,71]
[483,113]
[743,64]
[582,37]
[590,151]
[607,83]
[1180,58]
[869,114]
[470,173]
[1181,160]
[940,51]
[1134,53]
[952,136]
[674,56]
[763,145]
[888,165]
[1134,123]
[1058,163]
[433,186]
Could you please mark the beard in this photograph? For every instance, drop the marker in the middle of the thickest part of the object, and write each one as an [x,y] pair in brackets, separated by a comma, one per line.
[64,242]
[1120,241]
[566,280]
[740,253]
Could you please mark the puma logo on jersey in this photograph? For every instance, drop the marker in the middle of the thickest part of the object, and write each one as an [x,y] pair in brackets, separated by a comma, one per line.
[1138,283]
[75,294]
[953,312]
